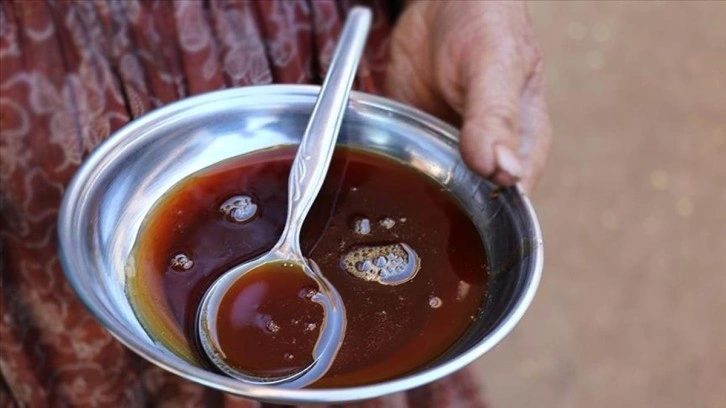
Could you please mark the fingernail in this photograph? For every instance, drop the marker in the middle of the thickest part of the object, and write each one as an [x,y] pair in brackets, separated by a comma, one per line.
[508,161]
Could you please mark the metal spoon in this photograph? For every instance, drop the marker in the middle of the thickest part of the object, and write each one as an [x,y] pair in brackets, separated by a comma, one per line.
[309,169]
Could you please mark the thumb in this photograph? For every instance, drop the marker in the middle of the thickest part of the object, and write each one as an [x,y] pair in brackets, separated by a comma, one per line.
[491,125]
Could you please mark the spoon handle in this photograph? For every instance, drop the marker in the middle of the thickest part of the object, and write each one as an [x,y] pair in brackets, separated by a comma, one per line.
[318,142]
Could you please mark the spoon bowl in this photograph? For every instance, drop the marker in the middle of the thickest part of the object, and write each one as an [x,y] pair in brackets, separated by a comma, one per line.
[331,332]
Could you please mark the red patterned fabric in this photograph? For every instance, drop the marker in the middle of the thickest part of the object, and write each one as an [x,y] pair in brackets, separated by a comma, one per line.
[71,72]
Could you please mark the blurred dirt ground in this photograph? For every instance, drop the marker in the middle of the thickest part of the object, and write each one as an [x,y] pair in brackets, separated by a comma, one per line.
[632,308]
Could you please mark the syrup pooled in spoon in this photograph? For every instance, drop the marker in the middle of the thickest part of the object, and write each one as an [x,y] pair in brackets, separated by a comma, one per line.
[268,322]
[407,261]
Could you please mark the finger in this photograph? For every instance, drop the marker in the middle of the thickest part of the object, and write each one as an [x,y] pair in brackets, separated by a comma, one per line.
[490,134]
[536,129]
[409,76]
[406,84]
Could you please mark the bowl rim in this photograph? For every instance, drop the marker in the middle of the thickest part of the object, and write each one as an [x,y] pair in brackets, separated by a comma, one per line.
[134,129]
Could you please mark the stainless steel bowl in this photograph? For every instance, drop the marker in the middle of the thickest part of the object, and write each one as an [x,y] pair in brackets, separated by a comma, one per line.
[118,184]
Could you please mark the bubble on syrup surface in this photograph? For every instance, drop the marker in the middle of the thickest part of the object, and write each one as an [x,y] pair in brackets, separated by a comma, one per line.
[239,209]
[381,261]
[462,290]
[272,327]
[362,226]
[435,302]
[387,223]
[363,266]
[307,292]
[181,262]
[310,327]
[385,264]
[288,356]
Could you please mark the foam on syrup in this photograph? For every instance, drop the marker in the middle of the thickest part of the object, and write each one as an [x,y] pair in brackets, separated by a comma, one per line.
[239,209]
[362,226]
[385,264]
[435,302]
[181,263]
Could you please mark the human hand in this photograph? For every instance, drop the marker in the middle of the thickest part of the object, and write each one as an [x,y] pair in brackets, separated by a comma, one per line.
[476,64]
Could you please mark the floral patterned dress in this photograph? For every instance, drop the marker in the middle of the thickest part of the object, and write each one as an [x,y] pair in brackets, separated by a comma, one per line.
[71,72]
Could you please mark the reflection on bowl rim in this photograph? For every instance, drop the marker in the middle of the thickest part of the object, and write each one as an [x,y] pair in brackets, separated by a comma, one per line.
[124,136]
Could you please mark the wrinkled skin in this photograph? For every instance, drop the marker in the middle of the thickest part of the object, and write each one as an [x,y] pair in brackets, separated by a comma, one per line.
[476,64]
